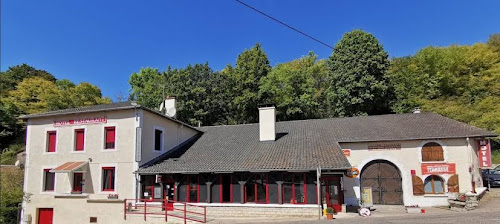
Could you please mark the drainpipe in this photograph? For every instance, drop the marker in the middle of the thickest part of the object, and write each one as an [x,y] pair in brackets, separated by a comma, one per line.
[318,184]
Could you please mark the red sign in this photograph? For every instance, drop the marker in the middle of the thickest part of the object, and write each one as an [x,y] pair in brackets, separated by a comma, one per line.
[93,120]
[484,153]
[347,152]
[438,168]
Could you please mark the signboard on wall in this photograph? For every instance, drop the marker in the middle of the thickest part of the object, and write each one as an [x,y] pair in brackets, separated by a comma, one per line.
[347,152]
[484,153]
[93,120]
[385,146]
[438,168]
[352,173]
[367,196]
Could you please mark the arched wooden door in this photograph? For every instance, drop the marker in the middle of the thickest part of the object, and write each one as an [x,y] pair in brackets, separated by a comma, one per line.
[385,180]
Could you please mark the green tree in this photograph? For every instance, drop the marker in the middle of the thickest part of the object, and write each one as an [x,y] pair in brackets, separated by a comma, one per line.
[357,70]
[15,74]
[494,42]
[297,88]
[251,66]
[35,95]
[147,87]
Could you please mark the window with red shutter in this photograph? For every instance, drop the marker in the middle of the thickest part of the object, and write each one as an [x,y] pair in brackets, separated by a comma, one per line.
[79,139]
[51,141]
[110,138]
[108,178]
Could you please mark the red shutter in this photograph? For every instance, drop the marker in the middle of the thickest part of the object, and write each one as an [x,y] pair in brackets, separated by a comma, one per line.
[80,138]
[110,137]
[52,141]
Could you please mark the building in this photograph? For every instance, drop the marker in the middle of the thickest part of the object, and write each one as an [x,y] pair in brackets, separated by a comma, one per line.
[83,163]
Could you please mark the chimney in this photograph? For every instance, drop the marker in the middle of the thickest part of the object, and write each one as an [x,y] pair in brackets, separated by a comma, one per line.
[267,122]
[416,110]
[168,107]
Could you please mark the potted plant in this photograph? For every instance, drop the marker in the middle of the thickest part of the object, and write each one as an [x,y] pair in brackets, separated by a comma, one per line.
[329,213]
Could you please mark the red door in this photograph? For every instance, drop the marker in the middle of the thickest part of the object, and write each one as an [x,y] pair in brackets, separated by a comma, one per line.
[45,215]
[332,194]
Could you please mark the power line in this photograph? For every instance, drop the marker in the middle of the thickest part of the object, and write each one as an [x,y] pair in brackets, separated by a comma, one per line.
[284,24]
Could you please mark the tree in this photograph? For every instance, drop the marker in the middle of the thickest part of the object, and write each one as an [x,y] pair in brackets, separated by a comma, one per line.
[147,87]
[35,95]
[494,42]
[251,66]
[297,88]
[357,80]
[85,94]
[15,74]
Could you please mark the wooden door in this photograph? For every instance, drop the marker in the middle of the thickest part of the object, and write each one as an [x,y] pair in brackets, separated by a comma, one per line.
[385,180]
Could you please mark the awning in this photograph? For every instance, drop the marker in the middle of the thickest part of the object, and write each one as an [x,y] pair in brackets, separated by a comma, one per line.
[69,167]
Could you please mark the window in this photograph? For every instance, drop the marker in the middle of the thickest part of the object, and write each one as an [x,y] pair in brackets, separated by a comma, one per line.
[77,182]
[432,152]
[193,189]
[294,189]
[79,139]
[256,189]
[110,138]
[434,185]
[49,180]
[108,178]
[158,140]
[51,141]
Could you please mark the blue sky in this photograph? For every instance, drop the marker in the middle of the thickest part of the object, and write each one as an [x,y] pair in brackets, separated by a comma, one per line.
[103,42]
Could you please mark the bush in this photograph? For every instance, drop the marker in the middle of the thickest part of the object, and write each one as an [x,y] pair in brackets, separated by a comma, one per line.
[11,193]
[495,156]
[8,156]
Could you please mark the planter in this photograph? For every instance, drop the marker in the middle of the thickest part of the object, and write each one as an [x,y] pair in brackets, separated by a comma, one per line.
[112,196]
[413,210]
[329,216]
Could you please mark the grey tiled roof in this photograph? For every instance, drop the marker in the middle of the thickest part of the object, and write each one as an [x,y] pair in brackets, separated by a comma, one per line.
[100,108]
[302,145]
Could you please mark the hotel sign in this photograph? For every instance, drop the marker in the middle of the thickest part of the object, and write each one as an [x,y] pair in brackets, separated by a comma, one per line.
[484,153]
[94,120]
[438,168]
[393,146]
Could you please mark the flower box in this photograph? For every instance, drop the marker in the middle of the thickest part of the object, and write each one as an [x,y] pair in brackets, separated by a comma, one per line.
[112,196]
[413,209]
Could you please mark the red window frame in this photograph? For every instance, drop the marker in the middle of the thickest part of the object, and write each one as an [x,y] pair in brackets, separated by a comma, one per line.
[110,178]
[256,199]
[77,177]
[79,139]
[51,141]
[109,140]
[221,198]
[45,172]
[188,198]
[304,175]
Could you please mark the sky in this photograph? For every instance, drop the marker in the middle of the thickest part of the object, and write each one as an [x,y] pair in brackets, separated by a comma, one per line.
[104,42]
